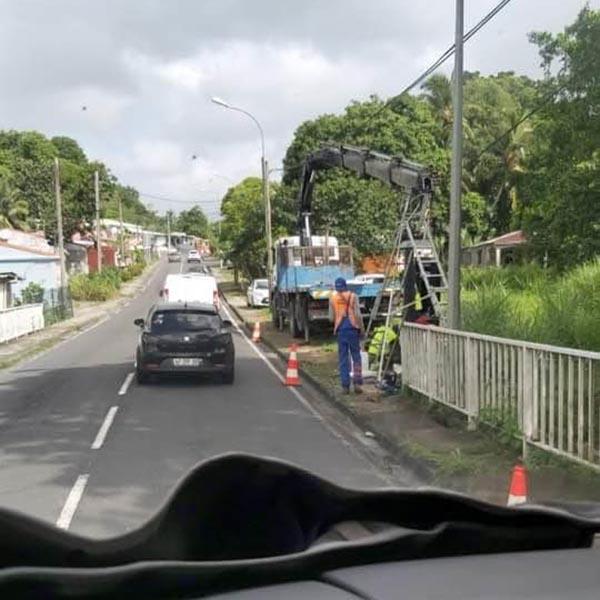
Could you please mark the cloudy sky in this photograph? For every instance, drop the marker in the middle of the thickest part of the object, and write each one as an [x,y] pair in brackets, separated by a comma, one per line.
[146,69]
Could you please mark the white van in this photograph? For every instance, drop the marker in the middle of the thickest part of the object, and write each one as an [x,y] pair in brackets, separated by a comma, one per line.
[190,287]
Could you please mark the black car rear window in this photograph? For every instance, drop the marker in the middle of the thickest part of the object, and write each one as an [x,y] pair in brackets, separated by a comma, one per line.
[174,321]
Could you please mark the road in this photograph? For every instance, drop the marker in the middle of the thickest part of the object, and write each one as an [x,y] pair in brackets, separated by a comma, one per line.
[85,447]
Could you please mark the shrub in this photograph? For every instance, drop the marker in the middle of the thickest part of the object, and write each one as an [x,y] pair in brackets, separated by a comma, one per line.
[133,270]
[95,286]
[32,293]
[102,286]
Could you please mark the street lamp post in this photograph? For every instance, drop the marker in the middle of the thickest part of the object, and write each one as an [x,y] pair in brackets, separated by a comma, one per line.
[265,183]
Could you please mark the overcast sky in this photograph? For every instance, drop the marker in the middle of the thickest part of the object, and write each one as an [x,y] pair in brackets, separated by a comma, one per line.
[146,69]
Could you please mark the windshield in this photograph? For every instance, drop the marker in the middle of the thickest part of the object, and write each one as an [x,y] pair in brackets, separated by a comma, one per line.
[171,321]
[401,247]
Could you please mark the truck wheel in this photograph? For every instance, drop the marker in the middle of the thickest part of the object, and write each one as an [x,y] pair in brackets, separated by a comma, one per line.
[306,331]
[293,322]
[306,321]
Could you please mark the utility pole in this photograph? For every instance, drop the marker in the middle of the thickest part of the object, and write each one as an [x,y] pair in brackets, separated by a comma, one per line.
[456,175]
[267,202]
[98,242]
[168,230]
[59,226]
[121,230]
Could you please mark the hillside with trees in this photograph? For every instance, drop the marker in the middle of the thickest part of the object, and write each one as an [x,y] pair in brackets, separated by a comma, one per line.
[27,198]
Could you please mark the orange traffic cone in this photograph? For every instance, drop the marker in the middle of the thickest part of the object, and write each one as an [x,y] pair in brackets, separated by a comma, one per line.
[517,492]
[291,375]
[256,332]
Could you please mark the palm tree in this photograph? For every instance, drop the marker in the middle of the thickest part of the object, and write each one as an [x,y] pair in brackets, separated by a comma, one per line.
[513,157]
[438,92]
[14,211]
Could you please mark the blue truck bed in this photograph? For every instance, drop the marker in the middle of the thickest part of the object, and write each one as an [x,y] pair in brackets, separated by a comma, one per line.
[318,281]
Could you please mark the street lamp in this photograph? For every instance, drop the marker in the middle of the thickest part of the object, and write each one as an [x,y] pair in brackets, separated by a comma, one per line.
[265,182]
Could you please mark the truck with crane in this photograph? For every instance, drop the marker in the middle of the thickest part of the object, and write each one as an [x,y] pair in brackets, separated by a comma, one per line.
[306,265]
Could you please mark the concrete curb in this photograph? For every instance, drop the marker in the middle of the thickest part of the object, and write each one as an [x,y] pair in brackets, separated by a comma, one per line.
[423,469]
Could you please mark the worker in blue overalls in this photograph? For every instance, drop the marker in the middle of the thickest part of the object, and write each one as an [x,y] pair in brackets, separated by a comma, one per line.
[344,311]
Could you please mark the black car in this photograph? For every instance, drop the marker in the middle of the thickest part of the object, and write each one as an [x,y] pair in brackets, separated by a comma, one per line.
[190,338]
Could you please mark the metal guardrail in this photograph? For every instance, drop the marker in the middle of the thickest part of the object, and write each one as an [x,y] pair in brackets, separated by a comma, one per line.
[21,320]
[549,395]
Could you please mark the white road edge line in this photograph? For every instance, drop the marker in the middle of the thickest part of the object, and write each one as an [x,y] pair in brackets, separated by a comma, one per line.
[101,435]
[277,374]
[123,389]
[72,502]
[313,411]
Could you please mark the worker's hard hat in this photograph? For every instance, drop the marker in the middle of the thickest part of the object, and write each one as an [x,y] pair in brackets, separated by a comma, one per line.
[340,284]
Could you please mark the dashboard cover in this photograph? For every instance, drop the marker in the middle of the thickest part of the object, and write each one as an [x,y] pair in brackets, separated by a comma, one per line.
[239,521]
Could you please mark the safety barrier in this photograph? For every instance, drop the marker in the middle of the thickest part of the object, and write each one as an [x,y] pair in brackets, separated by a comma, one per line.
[21,320]
[550,396]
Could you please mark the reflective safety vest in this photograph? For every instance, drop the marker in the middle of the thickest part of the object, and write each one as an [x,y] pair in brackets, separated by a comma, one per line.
[379,334]
[418,302]
[344,305]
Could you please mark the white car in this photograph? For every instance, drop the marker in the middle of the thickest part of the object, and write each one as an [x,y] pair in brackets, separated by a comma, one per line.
[194,255]
[190,288]
[257,293]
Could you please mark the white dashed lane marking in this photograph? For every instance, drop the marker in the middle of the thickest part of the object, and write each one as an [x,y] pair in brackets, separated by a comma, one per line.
[123,389]
[73,499]
[101,435]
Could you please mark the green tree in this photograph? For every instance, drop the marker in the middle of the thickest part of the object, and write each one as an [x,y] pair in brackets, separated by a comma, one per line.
[193,222]
[561,202]
[360,211]
[69,149]
[14,211]
[242,237]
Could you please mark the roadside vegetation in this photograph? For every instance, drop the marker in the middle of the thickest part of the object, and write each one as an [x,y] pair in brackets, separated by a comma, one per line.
[535,304]
[99,287]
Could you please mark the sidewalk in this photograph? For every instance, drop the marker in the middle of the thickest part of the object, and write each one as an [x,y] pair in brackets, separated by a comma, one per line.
[431,439]
[86,315]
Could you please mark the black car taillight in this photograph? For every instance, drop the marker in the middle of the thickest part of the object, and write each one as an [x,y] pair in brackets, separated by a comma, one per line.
[150,343]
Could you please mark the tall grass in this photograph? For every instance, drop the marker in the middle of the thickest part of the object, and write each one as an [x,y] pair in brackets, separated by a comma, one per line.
[95,286]
[530,303]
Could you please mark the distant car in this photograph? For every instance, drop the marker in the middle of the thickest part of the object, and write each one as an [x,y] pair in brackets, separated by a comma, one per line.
[196,267]
[257,293]
[190,339]
[174,255]
[190,287]
[194,255]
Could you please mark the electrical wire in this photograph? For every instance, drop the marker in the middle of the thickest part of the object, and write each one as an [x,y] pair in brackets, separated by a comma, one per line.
[441,60]
[177,201]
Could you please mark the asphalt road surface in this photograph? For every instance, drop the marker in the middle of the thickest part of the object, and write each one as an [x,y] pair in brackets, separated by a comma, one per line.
[84,447]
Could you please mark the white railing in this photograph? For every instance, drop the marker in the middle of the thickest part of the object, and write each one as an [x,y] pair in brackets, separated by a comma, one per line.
[550,395]
[21,320]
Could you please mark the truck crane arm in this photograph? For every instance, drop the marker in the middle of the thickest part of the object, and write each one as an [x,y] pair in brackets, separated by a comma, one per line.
[394,171]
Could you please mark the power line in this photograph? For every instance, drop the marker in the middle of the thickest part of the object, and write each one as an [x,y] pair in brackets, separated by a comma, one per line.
[177,201]
[442,59]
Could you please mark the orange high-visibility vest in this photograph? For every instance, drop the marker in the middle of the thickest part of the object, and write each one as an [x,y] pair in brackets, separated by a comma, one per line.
[344,305]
